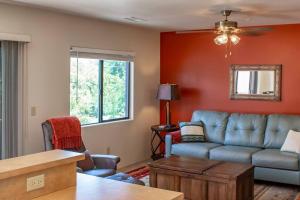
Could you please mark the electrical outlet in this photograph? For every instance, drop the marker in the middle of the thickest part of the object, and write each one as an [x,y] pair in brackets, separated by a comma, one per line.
[33,111]
[35,182]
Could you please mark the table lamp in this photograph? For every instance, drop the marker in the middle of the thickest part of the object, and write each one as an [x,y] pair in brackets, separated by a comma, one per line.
[168,92]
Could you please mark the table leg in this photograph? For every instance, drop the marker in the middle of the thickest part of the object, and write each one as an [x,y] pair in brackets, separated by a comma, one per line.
[154,149]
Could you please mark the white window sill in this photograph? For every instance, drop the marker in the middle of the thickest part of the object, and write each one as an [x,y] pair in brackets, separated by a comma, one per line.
[106,123]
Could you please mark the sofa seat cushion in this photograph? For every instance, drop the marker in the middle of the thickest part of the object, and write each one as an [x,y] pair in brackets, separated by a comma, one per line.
[274,158]
[233,153]
[100,172]
[197,150]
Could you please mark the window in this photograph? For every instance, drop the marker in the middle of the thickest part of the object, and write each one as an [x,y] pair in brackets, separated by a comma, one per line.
[99,86]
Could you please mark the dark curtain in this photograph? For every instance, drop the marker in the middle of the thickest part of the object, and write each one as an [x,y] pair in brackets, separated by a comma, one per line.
[253,82]
[9,99]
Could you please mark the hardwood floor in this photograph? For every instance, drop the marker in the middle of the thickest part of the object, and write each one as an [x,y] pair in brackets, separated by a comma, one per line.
[134,166]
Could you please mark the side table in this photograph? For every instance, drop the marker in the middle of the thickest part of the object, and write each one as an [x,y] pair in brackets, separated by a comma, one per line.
[156,133]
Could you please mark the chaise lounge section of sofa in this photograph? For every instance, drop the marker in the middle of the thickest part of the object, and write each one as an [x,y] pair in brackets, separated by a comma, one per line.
[246,138]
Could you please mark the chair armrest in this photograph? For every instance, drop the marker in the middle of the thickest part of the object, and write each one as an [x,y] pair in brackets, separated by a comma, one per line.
[105,161]
[79,170]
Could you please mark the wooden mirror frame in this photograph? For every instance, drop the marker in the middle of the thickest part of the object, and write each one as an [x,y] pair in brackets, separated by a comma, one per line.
[277,92]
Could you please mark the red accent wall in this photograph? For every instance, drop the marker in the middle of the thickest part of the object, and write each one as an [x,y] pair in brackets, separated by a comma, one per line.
[200,69]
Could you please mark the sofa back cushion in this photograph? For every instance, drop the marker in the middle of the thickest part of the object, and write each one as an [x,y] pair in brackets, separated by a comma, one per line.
[277,129]
[245,130]
[214,124]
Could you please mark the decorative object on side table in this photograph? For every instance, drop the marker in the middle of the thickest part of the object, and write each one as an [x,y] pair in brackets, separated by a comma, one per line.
[156,133]
[168,92]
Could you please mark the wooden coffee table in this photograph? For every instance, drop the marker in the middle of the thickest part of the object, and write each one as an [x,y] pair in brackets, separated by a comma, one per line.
[202,179]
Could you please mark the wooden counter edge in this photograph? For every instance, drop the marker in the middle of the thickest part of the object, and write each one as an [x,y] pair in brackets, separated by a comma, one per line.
[60,160]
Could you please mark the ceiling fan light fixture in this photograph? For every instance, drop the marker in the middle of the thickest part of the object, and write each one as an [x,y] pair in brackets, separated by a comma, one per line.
[234,39]
[221,39]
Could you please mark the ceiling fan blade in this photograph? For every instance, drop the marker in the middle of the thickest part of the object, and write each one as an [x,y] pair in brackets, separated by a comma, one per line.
[254,31]
[196,31]
[246,33]
[259,10]
[258,29]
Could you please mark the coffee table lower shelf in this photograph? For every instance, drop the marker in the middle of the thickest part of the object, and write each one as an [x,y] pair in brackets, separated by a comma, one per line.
[222,181]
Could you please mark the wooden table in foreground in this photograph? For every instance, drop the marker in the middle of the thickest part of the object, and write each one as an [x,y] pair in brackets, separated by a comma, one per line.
[202,179]
[95,188]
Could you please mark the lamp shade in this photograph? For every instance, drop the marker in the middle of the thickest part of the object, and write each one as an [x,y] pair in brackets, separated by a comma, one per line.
[168,92]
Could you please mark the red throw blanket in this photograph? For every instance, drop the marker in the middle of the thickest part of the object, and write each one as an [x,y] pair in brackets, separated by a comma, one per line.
[66,132]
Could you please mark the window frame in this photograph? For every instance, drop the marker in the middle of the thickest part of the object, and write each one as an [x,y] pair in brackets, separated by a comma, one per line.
[128,86]
[128,82]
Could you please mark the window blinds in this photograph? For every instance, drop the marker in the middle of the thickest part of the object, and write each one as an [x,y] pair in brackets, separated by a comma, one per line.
[102,54]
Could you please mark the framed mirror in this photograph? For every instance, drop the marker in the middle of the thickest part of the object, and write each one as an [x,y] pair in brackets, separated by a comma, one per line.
[261,82]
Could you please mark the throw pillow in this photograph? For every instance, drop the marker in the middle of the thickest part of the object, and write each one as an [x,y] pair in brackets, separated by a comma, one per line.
[292,142]
[87,163]
[192,132]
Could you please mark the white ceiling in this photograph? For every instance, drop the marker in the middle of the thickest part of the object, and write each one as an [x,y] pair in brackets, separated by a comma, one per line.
[179,14]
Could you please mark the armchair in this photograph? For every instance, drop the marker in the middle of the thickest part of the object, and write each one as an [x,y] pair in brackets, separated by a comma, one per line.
[105,165]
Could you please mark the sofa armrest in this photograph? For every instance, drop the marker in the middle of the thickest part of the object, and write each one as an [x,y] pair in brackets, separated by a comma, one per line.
[176,136]
[105,161]
[168,143]
[171,138]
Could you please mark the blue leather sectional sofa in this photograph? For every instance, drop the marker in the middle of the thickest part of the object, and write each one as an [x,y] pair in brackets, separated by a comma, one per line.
[246,138]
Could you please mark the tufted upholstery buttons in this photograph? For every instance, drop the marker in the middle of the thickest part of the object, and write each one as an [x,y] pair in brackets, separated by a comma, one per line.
[277,128]
[249,128]
[215,124]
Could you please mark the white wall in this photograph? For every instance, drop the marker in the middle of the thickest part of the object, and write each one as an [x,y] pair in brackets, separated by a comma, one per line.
[48,75]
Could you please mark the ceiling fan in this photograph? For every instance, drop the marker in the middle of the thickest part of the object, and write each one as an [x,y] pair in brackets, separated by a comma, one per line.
[227,31]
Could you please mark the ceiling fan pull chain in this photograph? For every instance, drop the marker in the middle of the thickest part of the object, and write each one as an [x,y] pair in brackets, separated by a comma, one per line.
[230,45]
[226,51]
